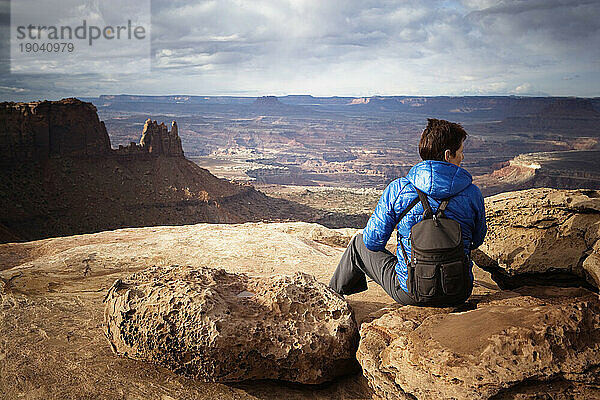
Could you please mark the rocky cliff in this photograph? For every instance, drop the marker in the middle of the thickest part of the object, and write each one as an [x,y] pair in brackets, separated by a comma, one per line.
[59,176]
[267,101]
[566,116]
[71,128]
[42,129]
[452,107]
[156,139]
[571,169]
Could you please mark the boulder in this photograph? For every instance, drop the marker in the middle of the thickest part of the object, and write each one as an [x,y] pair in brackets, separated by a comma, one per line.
[542,341]
[216,326]
[542,236]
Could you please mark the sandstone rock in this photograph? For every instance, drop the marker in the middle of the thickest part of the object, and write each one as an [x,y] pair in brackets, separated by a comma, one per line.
[216,326]
[42,129]
[320,234]
[52,344]
[174,140]
[71,128]
[542,236]
[157,140]
[543,338]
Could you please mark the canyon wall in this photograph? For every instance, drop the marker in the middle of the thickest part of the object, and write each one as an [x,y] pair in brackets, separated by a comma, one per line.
[71,128]
[42,129]
[60,176]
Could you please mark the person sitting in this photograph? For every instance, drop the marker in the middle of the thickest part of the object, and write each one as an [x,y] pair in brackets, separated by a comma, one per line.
[440,177]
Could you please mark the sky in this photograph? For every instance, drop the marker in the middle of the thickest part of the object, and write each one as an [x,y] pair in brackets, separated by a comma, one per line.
[345,48]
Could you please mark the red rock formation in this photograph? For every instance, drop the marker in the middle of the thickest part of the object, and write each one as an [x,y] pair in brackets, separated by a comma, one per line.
[60,176]
[570,107]
[157,140]
[555,169]
[68,127]
[71,128]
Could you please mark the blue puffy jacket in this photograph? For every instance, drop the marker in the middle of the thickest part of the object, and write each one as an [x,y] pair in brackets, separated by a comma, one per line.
[439,180]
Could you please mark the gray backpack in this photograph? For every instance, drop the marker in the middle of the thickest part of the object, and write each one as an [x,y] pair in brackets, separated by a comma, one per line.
[438,272]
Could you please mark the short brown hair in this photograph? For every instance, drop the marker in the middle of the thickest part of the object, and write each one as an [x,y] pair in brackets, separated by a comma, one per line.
[439,136]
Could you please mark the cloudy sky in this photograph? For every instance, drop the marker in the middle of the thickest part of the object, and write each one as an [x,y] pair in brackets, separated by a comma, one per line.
[347,48]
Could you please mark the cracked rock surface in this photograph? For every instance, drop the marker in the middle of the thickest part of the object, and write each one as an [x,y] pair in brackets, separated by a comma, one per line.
[541,343]
[542,236]
[217,326]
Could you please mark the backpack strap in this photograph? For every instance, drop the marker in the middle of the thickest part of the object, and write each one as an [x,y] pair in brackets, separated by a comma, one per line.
[427,212]
[406,210]
[442,207]
[404,255]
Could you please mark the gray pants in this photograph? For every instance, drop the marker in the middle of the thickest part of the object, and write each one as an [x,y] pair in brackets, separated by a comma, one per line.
[358,262]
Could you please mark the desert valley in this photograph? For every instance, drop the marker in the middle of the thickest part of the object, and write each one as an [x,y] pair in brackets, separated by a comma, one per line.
[179,247]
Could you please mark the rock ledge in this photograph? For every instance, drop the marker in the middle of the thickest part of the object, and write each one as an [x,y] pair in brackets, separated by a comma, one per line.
[511,342]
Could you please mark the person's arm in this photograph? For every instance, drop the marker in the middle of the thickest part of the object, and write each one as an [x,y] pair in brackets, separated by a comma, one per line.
[383,220]
[480,223]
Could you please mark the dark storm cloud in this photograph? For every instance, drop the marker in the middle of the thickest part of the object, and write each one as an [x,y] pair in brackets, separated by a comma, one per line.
[264,29]
[520,6]
[363,47]
[566,21]
[542,39]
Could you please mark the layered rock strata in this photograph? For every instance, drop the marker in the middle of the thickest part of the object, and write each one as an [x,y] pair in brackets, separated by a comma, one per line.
[217,326]
[156,139]
[542,236]
[71,128]
[42,129]
[547,339]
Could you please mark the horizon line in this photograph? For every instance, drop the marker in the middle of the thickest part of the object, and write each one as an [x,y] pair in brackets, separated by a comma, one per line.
[307,95]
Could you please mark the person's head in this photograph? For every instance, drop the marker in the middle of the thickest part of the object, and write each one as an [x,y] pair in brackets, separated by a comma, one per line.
[442,141]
